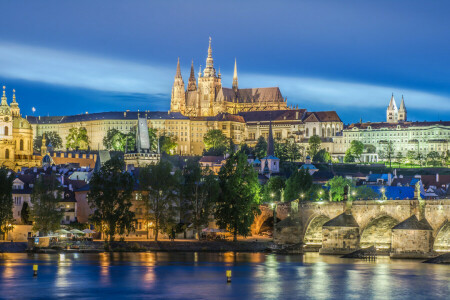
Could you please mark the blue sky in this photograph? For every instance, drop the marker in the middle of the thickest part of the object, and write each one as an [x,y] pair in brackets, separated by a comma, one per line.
[71,57]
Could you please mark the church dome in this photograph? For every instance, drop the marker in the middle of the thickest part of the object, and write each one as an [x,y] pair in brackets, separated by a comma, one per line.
[21,123]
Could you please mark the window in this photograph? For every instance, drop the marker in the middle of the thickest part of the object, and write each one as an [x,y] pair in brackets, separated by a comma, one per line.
[307,132]
[6,130]
[17,200]
[7,153]
[21,145]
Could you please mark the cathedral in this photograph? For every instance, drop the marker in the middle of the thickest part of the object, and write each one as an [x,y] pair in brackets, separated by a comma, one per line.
[207,97]
[16,136]
[394,115]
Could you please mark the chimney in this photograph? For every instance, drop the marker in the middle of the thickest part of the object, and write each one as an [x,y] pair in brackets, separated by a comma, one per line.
[389,179]
[62,180]
[437,177]
[70,187]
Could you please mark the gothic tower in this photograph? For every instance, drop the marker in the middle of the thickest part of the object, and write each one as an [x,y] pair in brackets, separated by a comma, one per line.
[392,111]
[178,100]
[235,77]
[208,87]
[402,111]
[192,85]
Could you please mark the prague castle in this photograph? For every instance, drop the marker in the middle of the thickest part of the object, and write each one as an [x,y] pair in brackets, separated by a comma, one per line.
[207,96]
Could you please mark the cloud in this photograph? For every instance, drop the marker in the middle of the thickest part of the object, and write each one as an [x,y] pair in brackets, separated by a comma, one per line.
[113,75]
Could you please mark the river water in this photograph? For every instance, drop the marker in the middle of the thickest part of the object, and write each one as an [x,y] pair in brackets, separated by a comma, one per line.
[202,276]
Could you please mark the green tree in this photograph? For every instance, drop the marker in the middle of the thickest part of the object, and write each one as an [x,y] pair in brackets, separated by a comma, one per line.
[370,148]
[389,152]
[6,201]
[215,141]
[46,211]
[160,199]
[110,197]
[244,148]
[239,196]
[293,150]
[349,158]
[261,147]
[168,144]
[25,213]
[364,192]
[77,139]
[357,148]
[297,185]
[273,190]
[280,150]
[314,143]
[411,156]
[399,158]
[52,137]
[201,190]
[337,187]
[114,140]
[433,158]
[153,138]
[322,156]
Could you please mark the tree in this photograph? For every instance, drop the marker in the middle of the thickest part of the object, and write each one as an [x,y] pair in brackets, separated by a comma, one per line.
[433,158]
[338,187]
[114,140]
[52,137]
[25,213]
[153,138]
[314,145]
[322,156]
[357,148]
[6,201]
[293,150]
[167,144]
[77,139]
[244,148]
[411,156]
[365,192]
[201,190]
[349,158]
[239,196]
[399,158]
[370,148]
[280,150]
[261,147]
[299,183]
[216,141]
[158,184]
[273,190]
[389,152]
[110,197]
[46,211]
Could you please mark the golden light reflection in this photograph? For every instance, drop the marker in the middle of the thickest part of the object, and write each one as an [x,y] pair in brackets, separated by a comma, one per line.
[105,262]
[269,276]
[8,271]
[320,281]
[382,282]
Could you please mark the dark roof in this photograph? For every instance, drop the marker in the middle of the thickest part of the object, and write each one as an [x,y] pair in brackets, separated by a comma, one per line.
[211,159]
[428,180]
[252,95]
[395,192]
[275,115]
[412,223]
[322,116]
[378,125]
[112,115]
[343,220]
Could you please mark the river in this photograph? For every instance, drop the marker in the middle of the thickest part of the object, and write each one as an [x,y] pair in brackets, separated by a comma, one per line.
[202,276]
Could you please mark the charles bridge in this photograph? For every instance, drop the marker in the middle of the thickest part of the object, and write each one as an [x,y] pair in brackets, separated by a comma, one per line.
[400,227]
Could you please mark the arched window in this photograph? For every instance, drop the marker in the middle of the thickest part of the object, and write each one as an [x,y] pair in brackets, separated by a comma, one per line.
[323,132]
[314,131]
[7,153]
[21,145]
[307,131]
[6,130]
[328,132]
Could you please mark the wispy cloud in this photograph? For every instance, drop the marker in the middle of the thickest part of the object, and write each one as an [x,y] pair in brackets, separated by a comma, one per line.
[113,75]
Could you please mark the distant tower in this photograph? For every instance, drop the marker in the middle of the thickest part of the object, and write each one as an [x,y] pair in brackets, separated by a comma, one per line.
[235,77]
[392,111]
[15,110]
[402,111]
[192,85]
[44,145]
[178,100]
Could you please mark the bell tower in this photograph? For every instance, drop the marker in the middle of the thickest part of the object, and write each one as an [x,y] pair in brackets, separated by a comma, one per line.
[178,97]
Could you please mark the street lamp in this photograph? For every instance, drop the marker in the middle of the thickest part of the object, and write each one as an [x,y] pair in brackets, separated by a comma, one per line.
[274,212]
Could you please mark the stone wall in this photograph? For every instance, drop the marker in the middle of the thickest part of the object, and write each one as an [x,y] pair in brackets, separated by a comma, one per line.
[418,241]
[339,239]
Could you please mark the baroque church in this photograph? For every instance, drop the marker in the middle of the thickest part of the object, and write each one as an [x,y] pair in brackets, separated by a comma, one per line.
[207,97]
[16,136]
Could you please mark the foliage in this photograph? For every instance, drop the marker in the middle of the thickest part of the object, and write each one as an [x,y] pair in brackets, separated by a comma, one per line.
[411,156]
[244,148]
[433,158]
[201,190]
[389,152]
[365,192]
[239,196]
[399,158]
[6,200]
[299,183]
[349,158]
[261,147]
[322,156]
[52,137]
[158,184]
[273,190]
[216,140]
[280,150]
[368,148]
[77,139]
[287,150]
[356,148]
[314,143]
[167,144]
[25,213]
[153,139]
[46,196]
[110,196]
[337,187]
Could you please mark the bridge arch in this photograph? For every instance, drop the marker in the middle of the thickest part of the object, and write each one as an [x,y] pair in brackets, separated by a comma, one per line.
[313,230]
[442,239]
[378,232]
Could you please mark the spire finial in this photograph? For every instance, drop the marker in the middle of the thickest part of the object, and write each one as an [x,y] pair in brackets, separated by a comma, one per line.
[4,95]
[178,75]
[4,102]
[14,95]
[235,77]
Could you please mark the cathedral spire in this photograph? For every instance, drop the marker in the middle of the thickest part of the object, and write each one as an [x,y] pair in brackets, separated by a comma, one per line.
[235,77]
[402,111]
[192,86]
[209,69]
[178,75]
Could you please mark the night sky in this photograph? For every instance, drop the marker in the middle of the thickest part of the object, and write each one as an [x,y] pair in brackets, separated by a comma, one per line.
[70,57]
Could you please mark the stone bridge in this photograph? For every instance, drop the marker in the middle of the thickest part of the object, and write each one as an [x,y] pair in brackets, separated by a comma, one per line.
[399,226]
